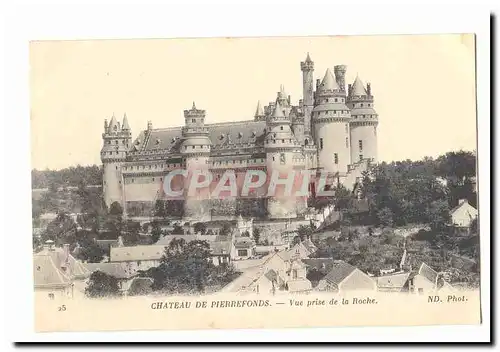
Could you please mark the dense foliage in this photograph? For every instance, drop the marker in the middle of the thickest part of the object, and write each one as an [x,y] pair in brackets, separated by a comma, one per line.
[102,285]
[187,267]
[71,176]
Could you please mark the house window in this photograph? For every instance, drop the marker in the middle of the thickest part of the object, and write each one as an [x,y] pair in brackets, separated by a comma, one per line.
[281,128]
[420,291]
[242,252]
[193,120]
[51,296]
[360,142]
[336,99]
[321,143]
[360,157]
[295,274]
[335,158]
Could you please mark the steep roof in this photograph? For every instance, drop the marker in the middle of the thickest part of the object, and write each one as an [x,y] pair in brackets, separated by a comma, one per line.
[278,111]
[329,82]
[427,272]
[47,274]
[220,247]
[114,269]
[393,281]
[339,272]
[125,125]
[74,268]
[358,87]
[259,111]
[240,132]
[135,253]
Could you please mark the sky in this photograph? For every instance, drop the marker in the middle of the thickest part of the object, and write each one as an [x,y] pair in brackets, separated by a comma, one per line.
[423,86]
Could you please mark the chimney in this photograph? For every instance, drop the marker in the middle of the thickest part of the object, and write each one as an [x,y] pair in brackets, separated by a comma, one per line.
[120,241]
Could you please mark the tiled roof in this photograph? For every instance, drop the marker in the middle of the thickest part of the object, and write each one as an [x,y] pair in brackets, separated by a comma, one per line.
[241,132]
[136,253]
[47,274]
[358,88]
[328,82]
[339,271]
[114,269]
[427,272]
[393,281]
[324,265]
[75,268]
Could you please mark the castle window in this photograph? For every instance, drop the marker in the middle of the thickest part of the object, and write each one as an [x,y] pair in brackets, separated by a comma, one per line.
[306,142]
[109,142]
[360,157]
[321,143]
[132,180]
[116,142]
[161,178]
[346,142]
[273,158]
[282,141]
[116,153]
[116,167]
[281,128]
[346,128]
[360,142]
[336,99]
[153,179]
[361,104]
[335,158]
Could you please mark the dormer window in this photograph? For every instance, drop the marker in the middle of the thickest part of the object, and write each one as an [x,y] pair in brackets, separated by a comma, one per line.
[254,133]
[158,141]
[138,142]
[240,135]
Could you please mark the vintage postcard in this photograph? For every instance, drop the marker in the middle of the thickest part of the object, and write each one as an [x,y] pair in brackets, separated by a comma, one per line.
[254,182]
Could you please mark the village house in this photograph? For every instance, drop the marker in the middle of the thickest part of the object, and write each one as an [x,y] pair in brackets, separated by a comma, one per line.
[463,214]
[426,280]
[57,274]
[337,276]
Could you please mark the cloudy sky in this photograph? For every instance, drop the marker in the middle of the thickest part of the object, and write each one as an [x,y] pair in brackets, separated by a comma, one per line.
[424,87]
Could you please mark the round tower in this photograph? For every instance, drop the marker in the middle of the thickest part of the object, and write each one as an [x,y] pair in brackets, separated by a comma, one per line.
[297,125]
[116,143]
[307,68]
[364,122]
[281,147]
[331,126]
[195,150]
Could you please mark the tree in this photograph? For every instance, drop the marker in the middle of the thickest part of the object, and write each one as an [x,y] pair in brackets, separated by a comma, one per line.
[90,252]
[200,227]
[116,209]
[187,267]
[102,285]
[304,232]
[385,217]
[226,229]
[439,216]
[256,235]
[155,232]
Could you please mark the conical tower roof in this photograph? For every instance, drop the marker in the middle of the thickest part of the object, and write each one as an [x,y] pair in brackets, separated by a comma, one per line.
[125,125]
[329,82]
[113,123]
[308,58]
[259,111]
[278,111]
[358,87]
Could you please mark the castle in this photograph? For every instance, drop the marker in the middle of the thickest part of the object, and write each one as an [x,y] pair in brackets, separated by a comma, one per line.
[332,128]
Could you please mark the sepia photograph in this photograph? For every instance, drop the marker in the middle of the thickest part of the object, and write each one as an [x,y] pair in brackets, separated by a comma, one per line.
[255,182]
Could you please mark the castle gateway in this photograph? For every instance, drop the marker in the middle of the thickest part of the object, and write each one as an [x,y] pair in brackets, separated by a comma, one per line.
[332,129]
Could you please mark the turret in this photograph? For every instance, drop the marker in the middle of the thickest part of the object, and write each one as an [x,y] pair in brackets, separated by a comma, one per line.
[307,68]
[195,149]
[116,143]
[281,147]
[331,126]
[364,122]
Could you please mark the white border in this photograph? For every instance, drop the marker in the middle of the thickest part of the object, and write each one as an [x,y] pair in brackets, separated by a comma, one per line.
[26,22]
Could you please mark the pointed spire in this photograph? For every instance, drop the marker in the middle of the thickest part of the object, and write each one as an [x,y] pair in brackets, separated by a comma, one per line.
[357,87]
[125,125]
[308,58]
[194,106]
[259,111]
[278,112]
[329,82]
[113,124]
